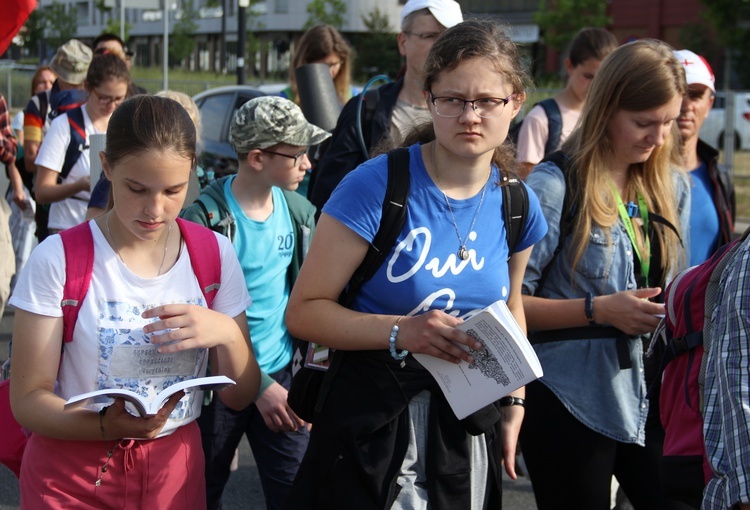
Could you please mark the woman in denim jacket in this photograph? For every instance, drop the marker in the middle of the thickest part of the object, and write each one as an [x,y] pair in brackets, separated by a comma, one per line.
[624,226]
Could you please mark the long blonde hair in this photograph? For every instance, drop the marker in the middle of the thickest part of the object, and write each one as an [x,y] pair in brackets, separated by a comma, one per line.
[638,76]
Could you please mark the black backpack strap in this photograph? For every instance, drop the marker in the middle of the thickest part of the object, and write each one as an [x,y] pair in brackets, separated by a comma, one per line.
[43,106]
[391,223]
[515,211]
[568,211]
[77,142]
[554,121]
[657,218]
[369,100]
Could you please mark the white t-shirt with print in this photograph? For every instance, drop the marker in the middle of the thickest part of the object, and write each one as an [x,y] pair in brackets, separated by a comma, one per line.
[109,348]
[70,211]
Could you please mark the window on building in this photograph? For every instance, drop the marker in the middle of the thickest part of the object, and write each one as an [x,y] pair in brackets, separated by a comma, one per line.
[82,13]
[281,6]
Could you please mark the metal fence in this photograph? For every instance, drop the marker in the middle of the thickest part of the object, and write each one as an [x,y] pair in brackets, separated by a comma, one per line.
[15,85]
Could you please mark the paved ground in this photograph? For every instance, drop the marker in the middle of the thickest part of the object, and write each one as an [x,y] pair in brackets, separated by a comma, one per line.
[243,491]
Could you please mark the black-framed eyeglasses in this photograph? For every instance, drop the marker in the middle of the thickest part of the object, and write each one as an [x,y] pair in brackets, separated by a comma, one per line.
[294,157]
[425,36]
[106,100]
[485,107]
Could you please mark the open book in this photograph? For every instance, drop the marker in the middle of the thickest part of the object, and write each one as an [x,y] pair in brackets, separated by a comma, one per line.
[506,362]
[141,404]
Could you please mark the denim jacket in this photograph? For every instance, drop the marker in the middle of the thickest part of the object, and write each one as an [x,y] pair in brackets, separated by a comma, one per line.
[585,374]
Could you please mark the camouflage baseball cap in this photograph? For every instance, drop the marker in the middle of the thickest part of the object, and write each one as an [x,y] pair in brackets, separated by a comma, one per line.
[269,120]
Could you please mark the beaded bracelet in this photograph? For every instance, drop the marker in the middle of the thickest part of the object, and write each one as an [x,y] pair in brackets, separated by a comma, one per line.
[398,356]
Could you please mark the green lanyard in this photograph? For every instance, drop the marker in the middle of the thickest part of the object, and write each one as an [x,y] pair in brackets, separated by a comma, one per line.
[625,217]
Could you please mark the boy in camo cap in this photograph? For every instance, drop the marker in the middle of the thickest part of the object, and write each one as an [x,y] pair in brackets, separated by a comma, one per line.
[270,228]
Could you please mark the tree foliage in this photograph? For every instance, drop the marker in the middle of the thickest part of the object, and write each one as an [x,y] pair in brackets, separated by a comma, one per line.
[60,24]
[182,42]
[730,20]
[330,12]
[32,33]
[113,27]
[377,48]
[560,20]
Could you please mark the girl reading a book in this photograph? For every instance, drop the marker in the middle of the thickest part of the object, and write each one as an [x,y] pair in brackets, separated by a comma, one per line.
[386,436]
[617,206]
[143,325]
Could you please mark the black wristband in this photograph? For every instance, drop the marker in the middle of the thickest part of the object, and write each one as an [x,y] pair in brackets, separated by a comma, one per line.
[588,307]
[512,401]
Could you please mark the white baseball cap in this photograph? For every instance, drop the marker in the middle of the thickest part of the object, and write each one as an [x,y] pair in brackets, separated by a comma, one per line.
[697,69]
[447,12]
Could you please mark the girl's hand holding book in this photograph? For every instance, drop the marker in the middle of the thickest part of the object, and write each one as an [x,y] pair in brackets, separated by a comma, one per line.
[184,326]
[117,422]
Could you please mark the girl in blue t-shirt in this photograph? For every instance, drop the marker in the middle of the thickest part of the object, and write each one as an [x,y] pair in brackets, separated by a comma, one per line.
[384,411]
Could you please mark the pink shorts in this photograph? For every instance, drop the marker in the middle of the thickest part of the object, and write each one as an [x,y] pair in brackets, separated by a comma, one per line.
[164,473]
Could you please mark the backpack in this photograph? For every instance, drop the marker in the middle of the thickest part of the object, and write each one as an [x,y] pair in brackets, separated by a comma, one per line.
[554,122]
[77,142]
[309,386]
[78,245]
[680,341]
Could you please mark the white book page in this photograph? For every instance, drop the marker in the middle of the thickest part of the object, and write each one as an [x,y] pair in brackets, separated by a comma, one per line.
[142,406]
[506,362]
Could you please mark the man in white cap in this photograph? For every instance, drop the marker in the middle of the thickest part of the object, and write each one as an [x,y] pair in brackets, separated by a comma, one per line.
[713,204]
[391,110]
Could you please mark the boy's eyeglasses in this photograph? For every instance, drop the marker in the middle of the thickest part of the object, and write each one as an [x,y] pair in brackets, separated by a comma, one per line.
[486,107]
[294,157]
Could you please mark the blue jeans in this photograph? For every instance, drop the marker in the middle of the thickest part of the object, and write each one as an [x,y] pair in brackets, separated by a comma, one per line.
[277,454]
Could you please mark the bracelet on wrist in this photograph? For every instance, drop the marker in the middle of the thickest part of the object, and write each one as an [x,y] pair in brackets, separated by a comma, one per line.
[398,356]
[512,401]
[588,308]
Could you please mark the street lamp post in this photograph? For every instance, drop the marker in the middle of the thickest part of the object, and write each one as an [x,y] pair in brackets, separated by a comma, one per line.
[241,34]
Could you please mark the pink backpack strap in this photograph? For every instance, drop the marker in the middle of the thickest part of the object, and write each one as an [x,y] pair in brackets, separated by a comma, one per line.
[205,258]
[78,243]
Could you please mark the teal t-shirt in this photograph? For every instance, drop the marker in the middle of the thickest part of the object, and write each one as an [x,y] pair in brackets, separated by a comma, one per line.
[265,249]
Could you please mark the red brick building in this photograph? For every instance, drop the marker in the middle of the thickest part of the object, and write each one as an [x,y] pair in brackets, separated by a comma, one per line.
[678,22]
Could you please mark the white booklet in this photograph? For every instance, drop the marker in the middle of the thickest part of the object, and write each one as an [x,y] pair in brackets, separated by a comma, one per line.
[505,363]
[142,405]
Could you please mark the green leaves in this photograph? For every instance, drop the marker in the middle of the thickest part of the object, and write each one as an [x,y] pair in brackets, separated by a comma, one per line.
[330,12]
[560,20]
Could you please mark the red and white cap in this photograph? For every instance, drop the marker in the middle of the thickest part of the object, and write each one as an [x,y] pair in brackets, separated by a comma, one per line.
[697,69]
[447,12]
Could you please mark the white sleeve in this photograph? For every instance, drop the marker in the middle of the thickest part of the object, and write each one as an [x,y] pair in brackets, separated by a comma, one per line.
[232,298]
[39,288]
[54,145]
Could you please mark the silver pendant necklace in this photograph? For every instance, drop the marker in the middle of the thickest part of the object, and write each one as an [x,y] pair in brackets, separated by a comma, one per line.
[117,250]
[463,253]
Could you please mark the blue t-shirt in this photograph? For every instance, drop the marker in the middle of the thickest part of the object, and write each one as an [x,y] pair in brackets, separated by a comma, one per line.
[704,219]
[265,251]
[422,272]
